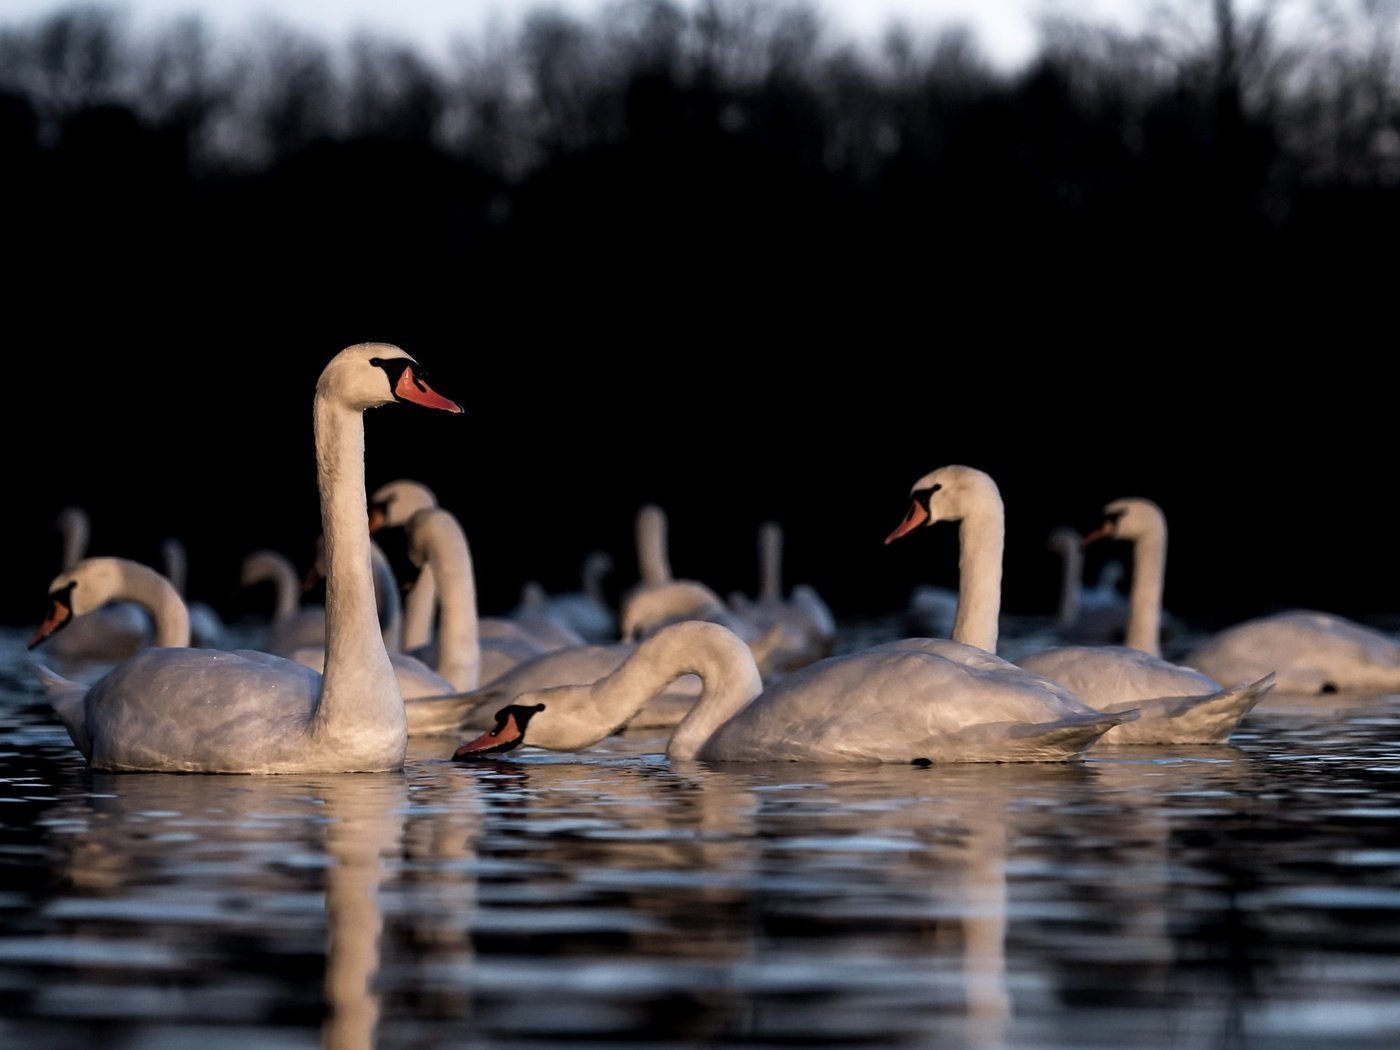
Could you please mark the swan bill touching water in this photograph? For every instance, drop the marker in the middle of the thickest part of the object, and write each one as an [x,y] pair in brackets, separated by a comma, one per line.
[168,709]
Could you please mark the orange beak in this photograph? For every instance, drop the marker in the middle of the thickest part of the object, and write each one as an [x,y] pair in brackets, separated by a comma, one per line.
[916,516]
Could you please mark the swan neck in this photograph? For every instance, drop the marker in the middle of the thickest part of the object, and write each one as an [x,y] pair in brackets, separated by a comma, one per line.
[359,686]
[1145,596]
[459,628]
[158,596]
[981,537]
[653,559]
[729,678]
[420,607]
[388,604]
[770,566]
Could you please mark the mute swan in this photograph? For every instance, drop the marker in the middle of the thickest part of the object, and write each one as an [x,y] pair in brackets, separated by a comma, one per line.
[207,628]
[293,624]
[1308,652]
[391,506]
[216,711]
[105,635]
[804,612]
[877,705]
[1096,614]
[587,610]
[1174,704]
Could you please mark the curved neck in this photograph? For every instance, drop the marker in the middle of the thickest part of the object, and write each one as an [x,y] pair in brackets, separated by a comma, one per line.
[445,548]
[1145,596]
[286,587]
[157,595]
[359,684]
[981,537]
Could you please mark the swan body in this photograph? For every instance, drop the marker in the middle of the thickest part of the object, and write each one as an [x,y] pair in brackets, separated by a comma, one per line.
[175,709]
[874,706]
[1310,652]
[1173,704]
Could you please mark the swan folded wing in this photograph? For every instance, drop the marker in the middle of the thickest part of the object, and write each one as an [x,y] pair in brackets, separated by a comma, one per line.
[201,710]
[1199,719]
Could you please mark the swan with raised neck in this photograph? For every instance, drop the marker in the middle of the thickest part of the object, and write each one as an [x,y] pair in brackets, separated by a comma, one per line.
[212,711]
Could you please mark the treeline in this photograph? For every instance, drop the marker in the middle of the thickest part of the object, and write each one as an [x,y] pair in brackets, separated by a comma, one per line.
[587,214]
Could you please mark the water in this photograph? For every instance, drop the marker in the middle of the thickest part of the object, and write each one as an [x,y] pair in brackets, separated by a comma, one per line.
[1238,896]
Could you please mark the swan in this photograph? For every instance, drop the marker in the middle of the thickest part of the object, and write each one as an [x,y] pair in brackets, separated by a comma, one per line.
[1309,652]
[1095,614]
[105,635]
[207,627]
[242,711]
[293,623]
[1174,704]
[878,705]
[804,611]
[587,610]
[391,506]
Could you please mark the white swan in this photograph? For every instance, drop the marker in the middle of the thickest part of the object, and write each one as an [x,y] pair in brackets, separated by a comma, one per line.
[1174,704]
[804,612]
[391,506]
[207,627]
[216,711]
[1309,652]
[587,610]
[105,635]
[292,623]
[1097,614]
[877,705]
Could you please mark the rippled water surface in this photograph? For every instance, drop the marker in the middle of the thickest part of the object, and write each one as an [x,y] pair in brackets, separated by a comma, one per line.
[1240,896]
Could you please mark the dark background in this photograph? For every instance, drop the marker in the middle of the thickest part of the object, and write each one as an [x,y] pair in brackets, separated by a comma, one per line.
[724,263]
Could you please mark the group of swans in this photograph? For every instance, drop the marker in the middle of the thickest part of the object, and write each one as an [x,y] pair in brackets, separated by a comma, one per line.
[918,700]
[178,709]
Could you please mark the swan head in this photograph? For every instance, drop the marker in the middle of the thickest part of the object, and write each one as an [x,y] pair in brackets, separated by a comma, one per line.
[508,733]
[947,494]
[89,585]
[394,502]
[368,375]
[1129,519]
[646,611]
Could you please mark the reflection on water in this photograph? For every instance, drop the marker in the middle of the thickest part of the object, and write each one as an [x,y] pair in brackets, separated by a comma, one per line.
[1239,896]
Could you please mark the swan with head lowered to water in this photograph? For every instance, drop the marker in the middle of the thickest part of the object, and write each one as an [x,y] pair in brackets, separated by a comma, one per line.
[168,709]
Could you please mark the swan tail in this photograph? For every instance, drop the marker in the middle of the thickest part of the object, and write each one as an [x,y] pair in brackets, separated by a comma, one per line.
[1059,741]
[1205,719]
[68,700]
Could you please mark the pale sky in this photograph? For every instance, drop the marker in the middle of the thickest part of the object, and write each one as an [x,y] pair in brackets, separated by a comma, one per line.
[1004,28]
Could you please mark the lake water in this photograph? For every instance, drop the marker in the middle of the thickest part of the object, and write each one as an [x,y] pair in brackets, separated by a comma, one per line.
[1246,895]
